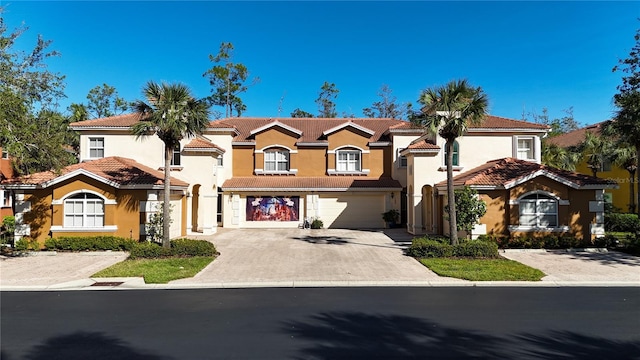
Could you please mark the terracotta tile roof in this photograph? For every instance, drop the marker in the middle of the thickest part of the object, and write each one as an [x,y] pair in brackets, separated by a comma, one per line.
[575,137]
[497,122]
[296,183]
[504,172]
[202,143]
[423,145]
[124,120]
[122,171]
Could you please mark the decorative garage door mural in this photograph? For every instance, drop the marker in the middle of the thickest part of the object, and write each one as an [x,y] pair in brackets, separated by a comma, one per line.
[273,208]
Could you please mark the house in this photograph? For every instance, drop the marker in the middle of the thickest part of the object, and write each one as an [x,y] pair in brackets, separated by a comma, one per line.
[277,172]
[529,199]
[619,196]
[107,196]
[6,172]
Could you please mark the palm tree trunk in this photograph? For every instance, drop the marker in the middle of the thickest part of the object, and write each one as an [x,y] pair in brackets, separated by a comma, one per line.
[451,200]
[166,221]
[632,197]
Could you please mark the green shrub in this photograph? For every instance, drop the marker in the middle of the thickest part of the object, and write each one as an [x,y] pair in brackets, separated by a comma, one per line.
[317,224]
[27,243]
[190,247]
[179,248]
[608,241]
[621,222]
[425,247]
[476,249]
[89,243]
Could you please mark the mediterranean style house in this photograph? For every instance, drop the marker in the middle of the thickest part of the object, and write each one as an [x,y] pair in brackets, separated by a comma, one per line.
[618,196]
[279,172]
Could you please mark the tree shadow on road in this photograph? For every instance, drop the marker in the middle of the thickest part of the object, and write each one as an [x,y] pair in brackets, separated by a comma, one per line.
[87,345]
[354,335]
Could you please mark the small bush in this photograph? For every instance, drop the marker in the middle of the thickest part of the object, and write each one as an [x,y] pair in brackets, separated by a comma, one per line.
[425,247]
[621,222]
[89,243]
[190,247]
[317,224]
[179,248]
[608,241]
[476,249]
[27,243]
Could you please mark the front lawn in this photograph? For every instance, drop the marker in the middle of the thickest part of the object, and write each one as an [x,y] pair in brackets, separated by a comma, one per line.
[482,269]
[157,271]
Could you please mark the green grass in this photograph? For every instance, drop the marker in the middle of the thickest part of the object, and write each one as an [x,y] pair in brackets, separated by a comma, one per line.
[157,271]
[483,269]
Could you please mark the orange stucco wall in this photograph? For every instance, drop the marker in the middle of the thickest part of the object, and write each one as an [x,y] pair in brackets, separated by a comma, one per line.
[500,214]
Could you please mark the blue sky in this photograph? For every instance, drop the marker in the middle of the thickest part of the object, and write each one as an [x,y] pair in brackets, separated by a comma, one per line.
[525,55]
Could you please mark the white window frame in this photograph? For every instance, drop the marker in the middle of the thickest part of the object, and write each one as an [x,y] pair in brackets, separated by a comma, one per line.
[280,157]
[5,199]
[537,213]
[83,199]
[444,152]
[353,157]
[91,147]
[220,161]
[402,160]
[530,149]
[5,154]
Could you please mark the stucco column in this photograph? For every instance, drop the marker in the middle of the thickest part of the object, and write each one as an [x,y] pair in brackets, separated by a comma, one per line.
[208,206]
[190,213]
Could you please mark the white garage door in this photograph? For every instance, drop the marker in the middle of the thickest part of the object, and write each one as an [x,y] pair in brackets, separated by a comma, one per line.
[351,211]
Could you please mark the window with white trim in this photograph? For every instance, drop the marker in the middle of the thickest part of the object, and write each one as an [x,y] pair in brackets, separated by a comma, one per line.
[5,199]
[538,210]
[5,154]
[525,150]
[456,156]
[348,161]
[220,161]
[276,160]
[96,147]
[175,159]
[84,210]
[402,160]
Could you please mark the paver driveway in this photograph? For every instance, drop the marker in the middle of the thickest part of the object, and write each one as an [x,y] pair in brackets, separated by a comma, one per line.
[303,255]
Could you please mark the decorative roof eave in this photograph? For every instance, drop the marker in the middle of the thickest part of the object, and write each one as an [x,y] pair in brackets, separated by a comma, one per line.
[475,187]
[407,151]
[232,130]
[75,173]
[317,144]
[405,131]
[552,176]
[349,124]
[81,128]
[380,143]
[305,189]
[243,143]
[507,130]
[274,124]
[153,187]
[205,150]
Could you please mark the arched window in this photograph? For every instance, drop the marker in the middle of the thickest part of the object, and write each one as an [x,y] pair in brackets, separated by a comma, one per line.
[538,210]
[276,160]
[348,160]
[84,210]
[456,157]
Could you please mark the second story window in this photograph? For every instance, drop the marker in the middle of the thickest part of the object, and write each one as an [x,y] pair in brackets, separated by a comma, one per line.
[456,154]
[348,160]
[525,149]
[175,160]
[5,154]
[402,160]
[96,147]
[276,160]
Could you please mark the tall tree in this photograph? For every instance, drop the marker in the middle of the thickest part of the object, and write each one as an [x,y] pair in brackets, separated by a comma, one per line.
[172,113]
[326,100]
[595,150]
[299,113]
[558,126]
[625,157]
[448,110]
[560,157]
[626,123]
[30,128]
[387,106]
[103,101]
[228,80]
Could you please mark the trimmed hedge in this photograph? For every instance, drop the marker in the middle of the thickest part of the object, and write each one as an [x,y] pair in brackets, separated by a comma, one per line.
[89,243]
[620,222]
[426,247]
[179,248]
[533,242]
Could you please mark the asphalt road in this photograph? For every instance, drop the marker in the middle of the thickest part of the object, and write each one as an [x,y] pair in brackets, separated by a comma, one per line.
[323,323]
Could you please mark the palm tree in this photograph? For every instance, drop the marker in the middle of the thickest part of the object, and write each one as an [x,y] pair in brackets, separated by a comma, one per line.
[559,157]
[172,113]
[595,149]
[449,110]
[625,156]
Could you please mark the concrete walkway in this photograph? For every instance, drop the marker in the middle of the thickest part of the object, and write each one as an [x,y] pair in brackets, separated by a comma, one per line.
[306,258]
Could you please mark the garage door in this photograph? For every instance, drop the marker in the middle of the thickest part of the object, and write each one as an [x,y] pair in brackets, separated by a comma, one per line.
[351,211]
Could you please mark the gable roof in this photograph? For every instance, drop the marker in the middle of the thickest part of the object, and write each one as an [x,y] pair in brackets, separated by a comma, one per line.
[200,143]
[118,121]
[509,172]
[296,183]
[575,137]
[115,171]
[273,124]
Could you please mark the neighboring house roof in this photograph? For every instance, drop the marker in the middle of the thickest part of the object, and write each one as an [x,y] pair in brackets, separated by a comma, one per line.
[115,171]
[497,122]
[295,183]
[509,172]
[118,121]
[575,137]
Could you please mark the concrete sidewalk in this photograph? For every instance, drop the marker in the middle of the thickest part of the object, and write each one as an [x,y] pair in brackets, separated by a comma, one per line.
[311,258]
